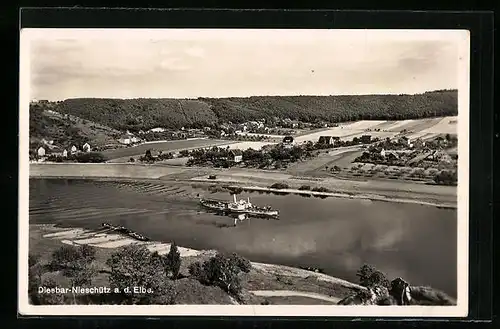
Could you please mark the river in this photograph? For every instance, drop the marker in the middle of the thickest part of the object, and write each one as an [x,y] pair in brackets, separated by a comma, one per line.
[412,241]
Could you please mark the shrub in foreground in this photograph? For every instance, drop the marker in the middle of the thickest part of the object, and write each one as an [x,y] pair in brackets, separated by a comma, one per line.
[223,271]
[136,266]
[279,186]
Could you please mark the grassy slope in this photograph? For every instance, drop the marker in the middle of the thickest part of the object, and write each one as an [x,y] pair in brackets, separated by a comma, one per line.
[66,131]
[176,113]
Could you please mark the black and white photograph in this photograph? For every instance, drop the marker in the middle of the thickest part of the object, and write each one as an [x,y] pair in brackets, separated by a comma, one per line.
[262,172]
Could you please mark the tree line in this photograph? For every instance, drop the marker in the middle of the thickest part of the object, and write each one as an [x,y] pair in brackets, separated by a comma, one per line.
[144,114]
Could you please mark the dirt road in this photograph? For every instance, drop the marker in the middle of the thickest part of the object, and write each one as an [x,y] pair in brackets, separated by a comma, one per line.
[289,293]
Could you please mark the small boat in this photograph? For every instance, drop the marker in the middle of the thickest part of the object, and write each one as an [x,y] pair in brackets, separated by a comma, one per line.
[124,230]
[137,236]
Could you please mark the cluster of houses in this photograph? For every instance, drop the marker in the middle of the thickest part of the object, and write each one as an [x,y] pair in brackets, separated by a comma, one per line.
[128,138]
[48,148]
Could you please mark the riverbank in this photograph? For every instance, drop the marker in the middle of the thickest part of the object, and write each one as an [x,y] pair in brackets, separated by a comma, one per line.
[257,180]
[264,280]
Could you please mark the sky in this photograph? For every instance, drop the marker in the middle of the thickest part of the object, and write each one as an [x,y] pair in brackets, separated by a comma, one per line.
[238,63]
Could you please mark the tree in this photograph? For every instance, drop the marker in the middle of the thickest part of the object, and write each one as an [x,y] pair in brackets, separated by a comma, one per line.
[173,261]
[222,270]
[135,266]
[369,276]
[50,298]
[34,278]
[75,263]
[243,264]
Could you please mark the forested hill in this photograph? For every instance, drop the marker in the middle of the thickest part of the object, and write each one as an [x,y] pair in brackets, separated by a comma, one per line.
[141,113]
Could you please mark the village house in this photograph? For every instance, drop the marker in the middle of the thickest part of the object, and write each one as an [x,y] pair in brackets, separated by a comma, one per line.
[157,130]
[65,153]
[328,140]
[73,149]
[41,151]
[236,155]
[440,156]
[86,147]
[288,141]
[125,139]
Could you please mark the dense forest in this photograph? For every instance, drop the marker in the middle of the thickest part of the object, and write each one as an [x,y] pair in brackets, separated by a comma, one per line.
[136,114]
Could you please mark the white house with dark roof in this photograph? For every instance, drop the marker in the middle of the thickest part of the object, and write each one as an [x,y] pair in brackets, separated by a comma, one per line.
[236,155]
[73,149]
[125,139]
[86,147]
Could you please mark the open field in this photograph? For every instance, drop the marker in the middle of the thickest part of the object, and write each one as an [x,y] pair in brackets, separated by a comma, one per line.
[422,128]
[249,145]
[415,128]
[182,161]
[168,146]
[447,125]
[340,157]
[265,135]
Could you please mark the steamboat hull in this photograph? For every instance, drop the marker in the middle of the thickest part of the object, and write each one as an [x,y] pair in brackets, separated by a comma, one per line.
[224,207]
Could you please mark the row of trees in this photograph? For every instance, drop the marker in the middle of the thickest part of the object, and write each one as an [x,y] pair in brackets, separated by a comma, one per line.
[131,266]
[261,159]
[81,157]
[143,114]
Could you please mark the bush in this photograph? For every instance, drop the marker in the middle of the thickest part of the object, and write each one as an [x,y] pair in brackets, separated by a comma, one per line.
[75,263]
[305,188]
[136,266]
[90,157]
[321,189]
[279,186]
[223,271]
[446,178]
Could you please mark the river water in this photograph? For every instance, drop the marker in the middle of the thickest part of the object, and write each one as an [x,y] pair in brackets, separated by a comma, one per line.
[415,242]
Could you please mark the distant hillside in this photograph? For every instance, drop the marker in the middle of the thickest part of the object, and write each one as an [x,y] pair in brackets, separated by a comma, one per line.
[135,114]
[65,130]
